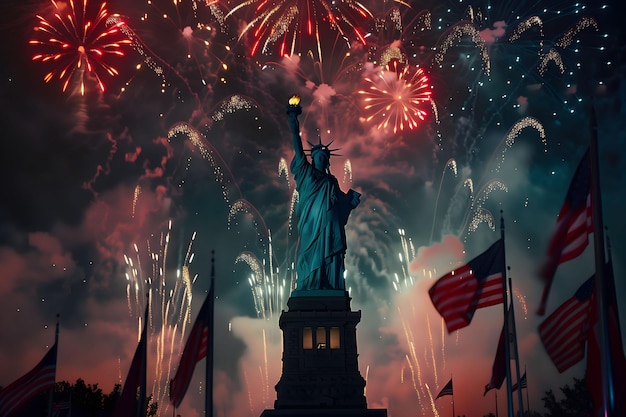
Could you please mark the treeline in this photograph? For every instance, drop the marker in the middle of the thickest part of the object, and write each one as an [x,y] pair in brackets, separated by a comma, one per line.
[86,400]
[77,400]
[575,402]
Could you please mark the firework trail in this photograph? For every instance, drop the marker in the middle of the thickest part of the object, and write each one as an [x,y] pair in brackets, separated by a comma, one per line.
[347,172]
[170,298]
[405,256]
[285,22]
[397,34]
[256,281]
[514,132]
[476,213]
[244,206]
[209,153]
[136,195]
[526,25]
[269,285]
[283,169]
[553,55]
[522,300]
[454,35]
[452,165]
[79,43]
[180,38]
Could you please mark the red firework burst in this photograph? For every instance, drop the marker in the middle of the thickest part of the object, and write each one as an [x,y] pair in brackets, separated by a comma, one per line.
[396,96]
[283,20]
[78,44]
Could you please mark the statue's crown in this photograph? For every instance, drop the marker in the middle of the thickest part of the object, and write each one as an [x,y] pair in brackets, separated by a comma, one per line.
[320,147]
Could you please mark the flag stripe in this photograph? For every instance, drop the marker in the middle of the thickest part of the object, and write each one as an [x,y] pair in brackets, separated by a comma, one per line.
[574,224]
[565,331]
[195,349]
[477,284]
[523,383]
[39,379]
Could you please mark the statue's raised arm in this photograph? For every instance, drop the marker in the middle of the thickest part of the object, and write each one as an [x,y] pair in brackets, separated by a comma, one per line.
[293,111]
[323,211]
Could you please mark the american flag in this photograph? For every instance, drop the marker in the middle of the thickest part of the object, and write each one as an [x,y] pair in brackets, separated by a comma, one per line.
[477,284]
[498,369]
[129,404]
[572,228]
[195,349]
[447,390]
[39,379]
[522,383]
[564,333]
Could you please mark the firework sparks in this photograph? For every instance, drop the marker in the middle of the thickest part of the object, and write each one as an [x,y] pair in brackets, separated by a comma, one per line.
[347,172]
[170,299]
[283,169]
[551,55]
[78,44]
[283,21]
[396,34]
[568,36]
[514,132]
[397,98]
[452,165]
[526,25]
[478,212]
[454,35]
[208,152]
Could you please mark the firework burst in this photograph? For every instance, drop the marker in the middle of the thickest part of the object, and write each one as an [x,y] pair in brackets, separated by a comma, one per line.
[78,43]
[186,36]
[284,22]
[397,98]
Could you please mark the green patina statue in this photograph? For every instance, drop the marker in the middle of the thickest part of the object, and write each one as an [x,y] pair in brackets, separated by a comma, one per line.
[322,212]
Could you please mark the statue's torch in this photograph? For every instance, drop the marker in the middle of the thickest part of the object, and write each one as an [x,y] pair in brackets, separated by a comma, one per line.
[294,105]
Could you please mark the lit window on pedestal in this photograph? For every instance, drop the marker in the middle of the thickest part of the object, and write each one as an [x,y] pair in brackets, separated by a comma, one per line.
[334,338]
[320,337]
[307,338]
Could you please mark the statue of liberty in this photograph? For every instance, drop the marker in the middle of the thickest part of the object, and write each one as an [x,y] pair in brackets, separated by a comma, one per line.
[322,212]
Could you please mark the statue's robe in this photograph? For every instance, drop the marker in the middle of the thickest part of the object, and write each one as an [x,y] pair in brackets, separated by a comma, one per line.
[323,211]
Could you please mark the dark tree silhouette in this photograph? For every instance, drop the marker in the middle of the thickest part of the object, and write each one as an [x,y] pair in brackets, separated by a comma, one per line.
[576,402]
[86,401]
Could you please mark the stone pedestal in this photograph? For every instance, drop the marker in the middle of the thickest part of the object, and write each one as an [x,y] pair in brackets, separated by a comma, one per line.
[320,367]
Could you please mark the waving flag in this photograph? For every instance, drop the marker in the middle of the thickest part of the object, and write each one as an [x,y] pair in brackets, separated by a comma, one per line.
[498,370]
[195,349]
[39,379]
[572,229]
[522,383]
[447,390]
[477,284]
[130,404]
[565,331]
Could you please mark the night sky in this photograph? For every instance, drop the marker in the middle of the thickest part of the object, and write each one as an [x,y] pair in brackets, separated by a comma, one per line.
[109,195]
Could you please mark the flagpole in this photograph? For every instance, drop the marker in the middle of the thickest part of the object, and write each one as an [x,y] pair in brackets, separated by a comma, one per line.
[453,413]
[141,401]
[598,239]
[527,400]
[208,395]
[507,353]
[514,333]
[56,343]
